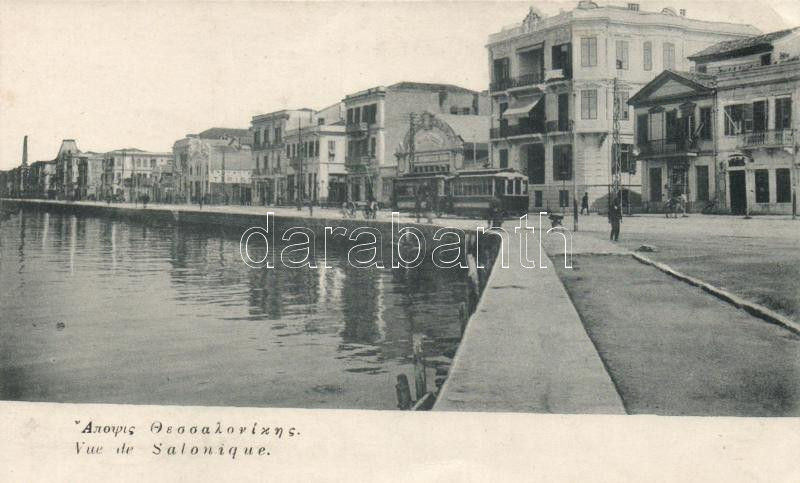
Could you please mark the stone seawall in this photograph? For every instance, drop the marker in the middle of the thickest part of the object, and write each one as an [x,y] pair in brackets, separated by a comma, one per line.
[248,216]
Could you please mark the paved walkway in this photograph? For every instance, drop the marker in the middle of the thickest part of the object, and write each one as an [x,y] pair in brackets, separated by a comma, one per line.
[525,349]
[279,211]
[756,259]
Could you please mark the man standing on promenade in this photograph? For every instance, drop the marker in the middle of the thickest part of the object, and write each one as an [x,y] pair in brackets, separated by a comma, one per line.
[418,202]
[615,218]
[585,203]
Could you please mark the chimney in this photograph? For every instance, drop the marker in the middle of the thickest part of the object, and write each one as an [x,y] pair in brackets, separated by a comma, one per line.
[633,6]
[683,12]
[25,151]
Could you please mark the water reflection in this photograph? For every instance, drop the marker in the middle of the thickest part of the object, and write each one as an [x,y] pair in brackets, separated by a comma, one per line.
[100,310]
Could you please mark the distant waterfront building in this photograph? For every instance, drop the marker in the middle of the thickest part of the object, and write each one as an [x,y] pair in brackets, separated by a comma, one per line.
[215,165]
[377,120]
[130,173]
[42,174]
[67,169]
[553,95]
[269,152]
[725,135]
[90,175]
[316,154]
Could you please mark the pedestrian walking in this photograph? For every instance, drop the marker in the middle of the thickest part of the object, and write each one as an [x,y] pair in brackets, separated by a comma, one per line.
[418,203]
[683,204]
[373,208]
[495,213]
[615,218]
[585,203]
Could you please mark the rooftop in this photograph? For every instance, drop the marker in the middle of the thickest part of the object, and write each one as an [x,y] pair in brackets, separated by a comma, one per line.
[281,113]
[588,10]
[698,84]
[222,132]
[705,80]
[137,151]
[424,86]
[406,86]
[742,46]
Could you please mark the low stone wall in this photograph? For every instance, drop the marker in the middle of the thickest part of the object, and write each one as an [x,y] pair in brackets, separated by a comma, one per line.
[243,221]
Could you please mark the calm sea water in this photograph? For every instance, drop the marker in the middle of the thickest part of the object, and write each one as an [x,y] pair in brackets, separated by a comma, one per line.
[108,311]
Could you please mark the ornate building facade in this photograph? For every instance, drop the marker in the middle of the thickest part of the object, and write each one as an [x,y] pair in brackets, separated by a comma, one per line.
[725,135]
[555,82]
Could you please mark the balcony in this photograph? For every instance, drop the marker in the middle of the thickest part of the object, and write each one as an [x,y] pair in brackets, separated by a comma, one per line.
[555,74]
[356,128]
[559,126]
[767,139]
[522,129]
[525,80]
[354,161]
[501,84]
[657,147]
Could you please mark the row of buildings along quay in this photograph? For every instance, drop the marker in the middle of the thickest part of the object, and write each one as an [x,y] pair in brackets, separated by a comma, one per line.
[655,104]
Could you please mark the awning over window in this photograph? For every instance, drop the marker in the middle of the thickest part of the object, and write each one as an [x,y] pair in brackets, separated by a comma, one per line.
[522,109]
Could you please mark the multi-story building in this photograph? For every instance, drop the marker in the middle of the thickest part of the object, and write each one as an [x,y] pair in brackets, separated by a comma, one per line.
[215,165]
[90,175]
[316,171]
[42,174]
[131,173]
[67,170]
[269,177]
[377,120]
[725,134]
[555,82]
[16,182]
[5,183]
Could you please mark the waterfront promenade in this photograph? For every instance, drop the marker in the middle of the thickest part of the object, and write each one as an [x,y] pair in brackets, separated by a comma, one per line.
[611,334]
[524,349]
[682,333]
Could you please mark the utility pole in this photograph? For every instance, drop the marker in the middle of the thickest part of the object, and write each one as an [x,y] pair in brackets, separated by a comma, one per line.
[224,191]
[411,145]
[574,163]
[133,181]
[298,181]
[616,162]
[795,175]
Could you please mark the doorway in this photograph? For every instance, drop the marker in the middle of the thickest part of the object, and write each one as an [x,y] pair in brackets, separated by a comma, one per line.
[738,193]
[563,112]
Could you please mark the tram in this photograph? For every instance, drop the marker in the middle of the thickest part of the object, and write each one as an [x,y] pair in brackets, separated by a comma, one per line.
[466,193]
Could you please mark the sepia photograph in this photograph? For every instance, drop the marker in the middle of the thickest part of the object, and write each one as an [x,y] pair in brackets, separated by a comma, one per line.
[570,208]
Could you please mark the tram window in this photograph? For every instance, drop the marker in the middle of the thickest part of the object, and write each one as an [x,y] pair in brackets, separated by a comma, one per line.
[509,187]
[517,187]
[524,187]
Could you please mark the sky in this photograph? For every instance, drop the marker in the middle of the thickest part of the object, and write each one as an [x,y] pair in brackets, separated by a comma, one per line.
[117,75]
